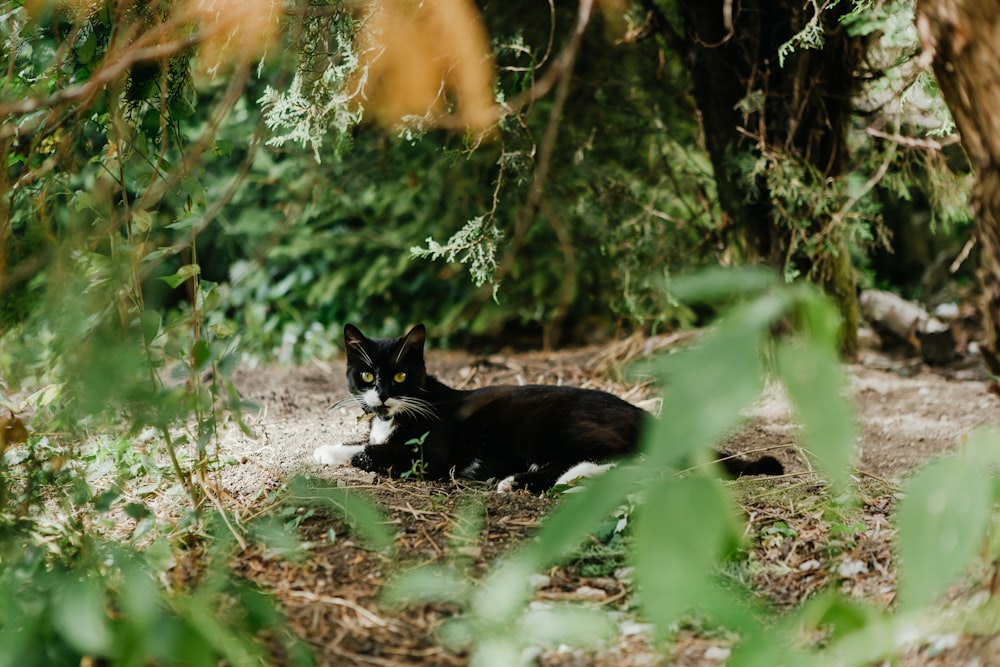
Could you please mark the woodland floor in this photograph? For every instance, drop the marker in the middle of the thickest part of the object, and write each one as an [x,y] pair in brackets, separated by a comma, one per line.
[908,412]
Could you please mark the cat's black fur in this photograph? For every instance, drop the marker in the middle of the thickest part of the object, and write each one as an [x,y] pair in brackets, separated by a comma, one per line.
[534,433]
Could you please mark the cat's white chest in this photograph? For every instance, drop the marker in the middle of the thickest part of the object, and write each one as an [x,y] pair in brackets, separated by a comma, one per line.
[381,430]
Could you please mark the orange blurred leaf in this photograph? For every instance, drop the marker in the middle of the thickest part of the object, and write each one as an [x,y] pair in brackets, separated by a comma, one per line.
[430,60]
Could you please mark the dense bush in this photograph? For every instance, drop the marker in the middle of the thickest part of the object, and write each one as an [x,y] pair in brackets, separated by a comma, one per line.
[317,236]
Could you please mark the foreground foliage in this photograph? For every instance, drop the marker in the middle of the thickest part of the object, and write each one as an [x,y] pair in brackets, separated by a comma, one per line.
[146,242]
[685,528]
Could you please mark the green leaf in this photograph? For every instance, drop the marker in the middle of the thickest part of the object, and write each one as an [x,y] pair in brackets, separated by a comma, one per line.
[45,395]
[721,284]
[184,273]
[576,626]
[457,632]
[187,222]
[104,500]
[80,617]
[427,585]
[85,54]
[201,355]
[982,447]
[363,516]
[816,385]
[942,521]
[278,541]
[82,200]
[150,123]
[140,596]
[582,513]
[818,317]
[835,616]
[496,652]
[682,530]
[222,147]
[502,597]
[142,221]
[137,511]
[150,321]
[711,382]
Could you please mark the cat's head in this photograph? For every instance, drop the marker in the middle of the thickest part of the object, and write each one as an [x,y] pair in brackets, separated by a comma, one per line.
[383,373]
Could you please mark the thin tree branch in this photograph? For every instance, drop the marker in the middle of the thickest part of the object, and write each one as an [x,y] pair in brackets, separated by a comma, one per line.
[102,77]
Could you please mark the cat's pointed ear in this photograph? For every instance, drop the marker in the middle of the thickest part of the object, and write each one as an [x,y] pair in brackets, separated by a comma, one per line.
[414,339]
[352,337]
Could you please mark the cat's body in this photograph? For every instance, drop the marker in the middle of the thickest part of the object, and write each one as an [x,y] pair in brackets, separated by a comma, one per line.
[527,436]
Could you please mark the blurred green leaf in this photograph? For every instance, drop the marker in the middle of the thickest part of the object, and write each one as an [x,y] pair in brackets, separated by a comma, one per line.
[184,273]
[580,513]
[185,223]
[677,550]
[81,618]
[718,284]
[817,387]
[137,511]
[359,512]
[223,147]
[427,584]
[496,652]
[142,221]
[201,355]
[151,321]
[708,384]
[500,599]
[818,319]
[588,629]
[103,501]
[942,522]
[278,541]
[85,53]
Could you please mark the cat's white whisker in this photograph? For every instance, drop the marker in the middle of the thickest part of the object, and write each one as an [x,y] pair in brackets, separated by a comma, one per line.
[415,407]
[364,353]
[346,402]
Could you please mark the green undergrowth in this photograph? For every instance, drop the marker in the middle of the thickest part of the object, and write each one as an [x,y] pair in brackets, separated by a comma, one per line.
[68,585]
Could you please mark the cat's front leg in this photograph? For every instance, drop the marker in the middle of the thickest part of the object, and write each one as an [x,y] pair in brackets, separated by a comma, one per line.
[379,458]
[384,459]
[336,455]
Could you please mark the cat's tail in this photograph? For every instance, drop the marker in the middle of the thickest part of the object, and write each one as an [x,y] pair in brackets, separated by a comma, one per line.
[739,467]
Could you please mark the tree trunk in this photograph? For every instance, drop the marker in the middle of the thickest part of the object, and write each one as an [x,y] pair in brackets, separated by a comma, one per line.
[749,104]
[961,38]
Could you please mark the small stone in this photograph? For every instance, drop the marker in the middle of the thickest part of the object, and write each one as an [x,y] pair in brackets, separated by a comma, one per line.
[850,567]
[632,628]
[590,593]
[717,653]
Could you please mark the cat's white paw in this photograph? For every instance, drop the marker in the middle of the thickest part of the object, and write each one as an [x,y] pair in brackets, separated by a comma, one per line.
[336,455]
[506,485]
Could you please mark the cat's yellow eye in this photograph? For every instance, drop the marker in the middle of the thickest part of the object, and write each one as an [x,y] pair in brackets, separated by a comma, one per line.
[367,376]
[399,378]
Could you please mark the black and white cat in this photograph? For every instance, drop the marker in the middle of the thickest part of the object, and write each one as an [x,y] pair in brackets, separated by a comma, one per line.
[530,437]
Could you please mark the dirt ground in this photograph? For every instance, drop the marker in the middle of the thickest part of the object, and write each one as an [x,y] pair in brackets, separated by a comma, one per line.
[908,414]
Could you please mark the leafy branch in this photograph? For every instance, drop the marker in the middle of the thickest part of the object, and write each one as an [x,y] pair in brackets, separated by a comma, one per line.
[474,245]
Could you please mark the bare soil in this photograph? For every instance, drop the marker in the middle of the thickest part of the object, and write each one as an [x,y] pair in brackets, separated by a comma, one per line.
[908,414]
